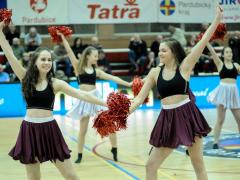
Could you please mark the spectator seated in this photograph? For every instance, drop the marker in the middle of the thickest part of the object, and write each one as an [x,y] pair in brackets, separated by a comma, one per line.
[120,65]
[118,59]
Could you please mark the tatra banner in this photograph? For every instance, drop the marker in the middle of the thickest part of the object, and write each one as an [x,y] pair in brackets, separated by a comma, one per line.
[40,12]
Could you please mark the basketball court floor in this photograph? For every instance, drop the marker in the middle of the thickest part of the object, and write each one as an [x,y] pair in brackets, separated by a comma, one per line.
[133,149]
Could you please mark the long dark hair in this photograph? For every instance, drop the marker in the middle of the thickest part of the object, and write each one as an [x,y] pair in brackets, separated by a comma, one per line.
[176,49]
[32,74]
[75,42]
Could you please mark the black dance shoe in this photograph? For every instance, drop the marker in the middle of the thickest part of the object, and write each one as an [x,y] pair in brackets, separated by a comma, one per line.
[79,159]
[114,152]
[215,146]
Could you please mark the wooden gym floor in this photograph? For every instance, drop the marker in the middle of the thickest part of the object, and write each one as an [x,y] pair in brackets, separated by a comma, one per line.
[133,148]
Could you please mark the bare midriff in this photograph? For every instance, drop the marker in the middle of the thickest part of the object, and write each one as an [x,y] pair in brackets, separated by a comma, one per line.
[39,113]
[87,87]
[228,80]
[174,99]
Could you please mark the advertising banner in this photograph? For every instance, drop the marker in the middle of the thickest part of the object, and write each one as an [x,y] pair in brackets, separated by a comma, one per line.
[186,11]
[118,11]
[39,12]
[12,103]
[231,10]
[195,11]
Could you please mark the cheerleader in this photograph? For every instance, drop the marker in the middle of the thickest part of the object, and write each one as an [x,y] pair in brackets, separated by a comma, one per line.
[87,73]
[40,139]
[180,122]
[225,95]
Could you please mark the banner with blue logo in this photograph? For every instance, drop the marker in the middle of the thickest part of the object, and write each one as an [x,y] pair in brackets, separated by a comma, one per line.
[12,102]
[45,12]
[201,86]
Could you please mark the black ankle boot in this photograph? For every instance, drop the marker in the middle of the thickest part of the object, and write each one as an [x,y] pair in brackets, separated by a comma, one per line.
[114,152]
[79,159]
[187,152]
[215,146]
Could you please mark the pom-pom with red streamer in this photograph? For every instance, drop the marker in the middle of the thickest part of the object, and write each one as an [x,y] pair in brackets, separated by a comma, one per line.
[53,30]
[104,125]
[199,37]
[118,103]
[137,86]
[114,119]
[218,34]
[5,15]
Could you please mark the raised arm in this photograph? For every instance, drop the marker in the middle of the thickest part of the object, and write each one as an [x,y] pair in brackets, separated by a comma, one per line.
[102,75]
[191,59]
[70,53]
[8,52]
[148,84]
[62,86]
[215,57]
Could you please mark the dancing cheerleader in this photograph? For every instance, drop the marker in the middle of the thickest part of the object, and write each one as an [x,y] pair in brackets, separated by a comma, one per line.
[40,139]
[86,74]
[180,121]
[225,95]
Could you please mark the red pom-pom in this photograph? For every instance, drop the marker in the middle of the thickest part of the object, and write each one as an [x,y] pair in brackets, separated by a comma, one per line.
[118,103]
[5,14]
[114,119]
[199,37]
[137,86]
[220,32]
[104,124]
[53,30]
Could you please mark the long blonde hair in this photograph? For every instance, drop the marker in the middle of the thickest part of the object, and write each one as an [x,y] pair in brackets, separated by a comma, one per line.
[84,59]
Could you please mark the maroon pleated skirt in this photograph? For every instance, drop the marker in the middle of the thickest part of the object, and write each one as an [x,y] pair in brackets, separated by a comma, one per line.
[40,142]
[179,126]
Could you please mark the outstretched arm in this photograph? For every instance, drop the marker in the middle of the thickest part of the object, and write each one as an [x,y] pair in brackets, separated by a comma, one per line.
[8,52]
[70,53]
[101,74]
[215,57]
[62,86]
[144,79]
[148,84]
[190,61]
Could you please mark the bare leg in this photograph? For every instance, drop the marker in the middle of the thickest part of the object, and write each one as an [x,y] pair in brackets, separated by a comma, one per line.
[196,155]
[113,140]
[82,133]
[221,113]
[66,169]
[81,136]
[33,171]
[236,114]
[156,158]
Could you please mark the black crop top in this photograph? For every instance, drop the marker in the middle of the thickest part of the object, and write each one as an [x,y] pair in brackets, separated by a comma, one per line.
[41,99]
[228,73]
[86,78]
[174,86]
